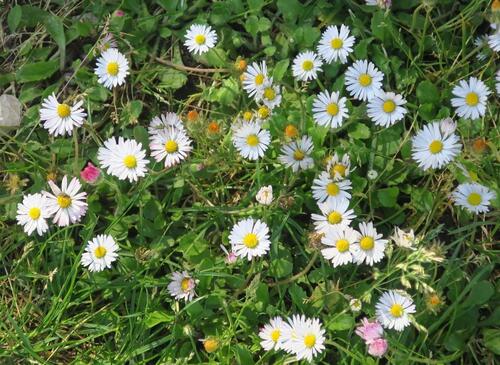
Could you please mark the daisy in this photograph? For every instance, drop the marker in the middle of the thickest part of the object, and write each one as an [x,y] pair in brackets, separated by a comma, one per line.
[100,252]
[124,158]
[385,108]
[338,169]
[335,214]
[304,338]
[363,80]
[326,189]
[269,94]
[263,114]
[494,41]
[471,97]
[431,149]
[164,121]
[370,245]
[271,334]
[32,214]
[182,286]
[112,68]
[60,119]
[107,42]
[335,44]
[250,238]
[66,203]
[297,154]
[393,309]
[329,110]
[474,197]
[171,145]
[200,38]
[251,141]
[498,82]
[254,78]
[306,66]
[342,249]
[265,195]
[481,42]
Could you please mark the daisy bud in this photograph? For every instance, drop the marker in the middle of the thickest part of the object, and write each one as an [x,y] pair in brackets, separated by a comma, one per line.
[90,173]
[355,305]
[479,145]
[119,13]
[247,116]
[369,331]
[372,174]
[10,111]
[187,330]
[240,65]
[265,195]
[291,131]
[192,115]
[378,347]
[495,6]
[211,345]
[213,127]
[447,126]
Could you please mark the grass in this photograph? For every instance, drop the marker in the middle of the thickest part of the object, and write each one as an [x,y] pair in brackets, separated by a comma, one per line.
[53,311]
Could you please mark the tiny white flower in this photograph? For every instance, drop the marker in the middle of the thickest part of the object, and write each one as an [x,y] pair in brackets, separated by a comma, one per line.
[370,245]
[470,98]
[32,214]
[265,195]
[165,121]
[112,68]
[329,110]
[393,308]
[66,204]
[269,94]
[325,188]
[334,214]
[404,239]
[182,286]
[386,108]
[474,197]
[272,334]
[100,253]
[61,118]
[306,66]
[250,238]
[297,154]
[336,44]
[251,141]
[200,38]
[355,305]
[341,249]
[363,80]
[171,145]
[254,78]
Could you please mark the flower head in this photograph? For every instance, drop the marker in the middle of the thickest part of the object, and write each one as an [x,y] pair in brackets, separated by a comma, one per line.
[66,204]
[112,68]
[100,253]
[182,286]
[32,214]
[250,238]
[200,38]
[306,66]
[61,118]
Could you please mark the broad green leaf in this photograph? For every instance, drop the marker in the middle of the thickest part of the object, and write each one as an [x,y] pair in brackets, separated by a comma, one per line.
[36,71]
[157,317]
[427,92]
[14,18]
[54,26]
[492,339]
[359,131]
[341,322]
[388,196]
[280,69]
[480,293]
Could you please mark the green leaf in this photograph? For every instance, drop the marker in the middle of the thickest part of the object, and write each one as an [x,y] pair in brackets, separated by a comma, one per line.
[280,267]
[36,71]
[54,26]
[480,293]
[141,135]
[14,18]
[280,69]
[243,355]
[359,131]
[388,196]
[492,339]
[157,317]
[427,92]
[341,323]
[172,79]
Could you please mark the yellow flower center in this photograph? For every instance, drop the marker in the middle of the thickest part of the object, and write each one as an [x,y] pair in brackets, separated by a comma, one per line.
[130,161]
[332,189]
[112,68]
[247,116]
[275,335]
[100,252]
[389,106]
[365,79]
[307,65]
[252,140]
[396,310]
[259,79]
[336,43]
[366,243]
[436,147]
[339,169]
[299,155]
[34,213]
[434,300]
[342,245]
[269,93]
[334,218]
[186,284]
[211,345]
[200,39]
[310,341]
[263,112]
[64,201]
[471,99]
[291,131]
[250,240]
[474,199]
[332,109]
[171,146]
[63,110]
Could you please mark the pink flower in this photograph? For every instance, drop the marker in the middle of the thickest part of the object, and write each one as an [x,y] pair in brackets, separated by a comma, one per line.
[230,256]
[378,347]
[119,12]
[369,331]
[90,173]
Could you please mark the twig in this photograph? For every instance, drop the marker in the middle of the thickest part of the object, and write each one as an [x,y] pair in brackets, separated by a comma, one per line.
[190,69]
[298,275]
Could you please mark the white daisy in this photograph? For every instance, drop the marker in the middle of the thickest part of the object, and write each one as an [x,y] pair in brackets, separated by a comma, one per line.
[481,42]
[182,286]
[329,110]
[297,154]
[251,141]
[100,253]
[335,214]
[385,108]
[107,42]
[269,94]
[304,337]
[272,334]
[66,203]
[494,41]
[265,195]
[370,245]
[164,121]
[474,197]
[250,238]
[471,98]
[431,149]
[498,82]
[254,78]
[60,119]
[325,188]
[124,159]
[338,169]
[306,65]
[200,38]
[32,214]
[171,145]
[336,44]
[112,68]
[342,249]
[393,308]
[363,80]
